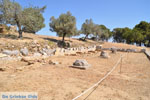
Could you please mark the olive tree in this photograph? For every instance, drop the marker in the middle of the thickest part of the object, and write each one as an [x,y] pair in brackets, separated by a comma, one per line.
[34,20]
[87,28]
[12,13]
[64,25]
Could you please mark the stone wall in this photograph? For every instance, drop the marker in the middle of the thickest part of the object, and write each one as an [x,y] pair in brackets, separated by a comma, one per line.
[65,52]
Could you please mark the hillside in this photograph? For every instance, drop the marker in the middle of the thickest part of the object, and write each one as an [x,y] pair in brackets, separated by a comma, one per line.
[53,77]
[10,41]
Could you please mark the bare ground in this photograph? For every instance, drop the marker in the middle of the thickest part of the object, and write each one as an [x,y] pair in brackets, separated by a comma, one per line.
[10,41]
[61,82]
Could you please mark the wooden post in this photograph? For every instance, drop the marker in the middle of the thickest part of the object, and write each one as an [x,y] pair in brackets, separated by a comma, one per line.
[127,54]
[121,65]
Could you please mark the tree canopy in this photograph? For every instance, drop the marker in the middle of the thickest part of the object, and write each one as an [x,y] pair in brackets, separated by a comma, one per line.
[139,34]
[65,25]
[34,20]
[87,28]
[12,13]
[105,33]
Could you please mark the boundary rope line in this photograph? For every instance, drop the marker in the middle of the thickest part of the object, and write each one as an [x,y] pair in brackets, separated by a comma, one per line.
[99,80]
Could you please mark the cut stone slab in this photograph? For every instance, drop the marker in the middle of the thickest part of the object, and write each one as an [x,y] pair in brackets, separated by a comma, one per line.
[11,53]
[24,51]
[36,54]
[98,48]
[50,52]
[59,52]
[114,50]
[143,50]
[3,55]
[104,54]
[81,64]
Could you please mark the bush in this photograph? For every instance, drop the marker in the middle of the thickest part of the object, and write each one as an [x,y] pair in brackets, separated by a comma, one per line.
[63,44]
[4,28]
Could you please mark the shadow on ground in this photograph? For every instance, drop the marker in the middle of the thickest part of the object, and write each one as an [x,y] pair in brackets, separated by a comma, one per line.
[52,40]
[12,36]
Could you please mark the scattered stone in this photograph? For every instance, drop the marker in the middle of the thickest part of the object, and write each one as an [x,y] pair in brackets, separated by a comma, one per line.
[2,68]
[29,60]
[143,50]
[104,54]
[11,53]
[81,64]
[3,55]
[19,69]
[36,54]
[53,62]
[24,51]
[122,50]
[50,52]
[131,50]
[98,48]
[106,48]
[43,51]
[114,50]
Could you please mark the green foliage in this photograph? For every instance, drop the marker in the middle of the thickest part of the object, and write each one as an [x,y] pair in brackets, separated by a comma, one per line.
[143,29]
[118,35]
[139,34]
[105,33]
[127,35]
[12,13]
[101,32]
[50,43]
[65,25]
[34,20]
[63,44]
[87,28]
[97,31]
[4,28]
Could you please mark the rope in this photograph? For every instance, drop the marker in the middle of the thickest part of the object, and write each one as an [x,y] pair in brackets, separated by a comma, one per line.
[99,80]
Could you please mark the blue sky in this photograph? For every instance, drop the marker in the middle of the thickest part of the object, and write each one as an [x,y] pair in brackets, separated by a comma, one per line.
[111,13]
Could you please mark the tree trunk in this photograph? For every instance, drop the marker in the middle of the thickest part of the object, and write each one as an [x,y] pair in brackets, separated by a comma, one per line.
[63,39]
[20,33]
[140,44]
[86,36]
[97,37]
[19,29]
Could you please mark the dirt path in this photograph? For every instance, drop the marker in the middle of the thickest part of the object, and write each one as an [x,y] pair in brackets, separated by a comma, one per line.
[60,82]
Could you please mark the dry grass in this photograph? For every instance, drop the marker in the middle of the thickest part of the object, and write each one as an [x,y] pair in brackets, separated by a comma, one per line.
[60,82]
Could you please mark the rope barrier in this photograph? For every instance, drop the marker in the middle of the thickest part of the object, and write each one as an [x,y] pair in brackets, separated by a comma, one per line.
[99,80]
